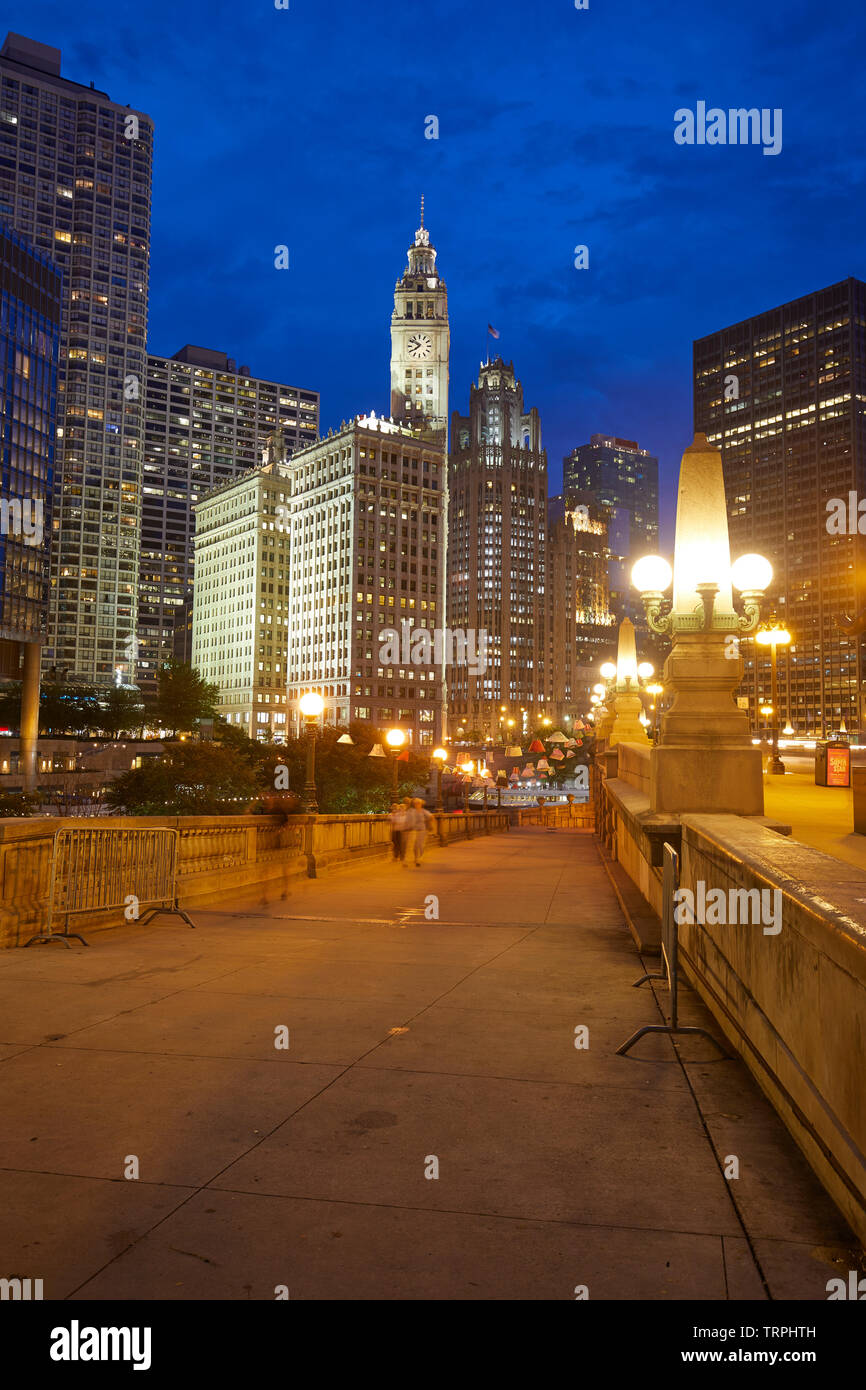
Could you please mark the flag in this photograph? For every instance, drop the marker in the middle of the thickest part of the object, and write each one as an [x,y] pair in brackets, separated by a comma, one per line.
[494,332]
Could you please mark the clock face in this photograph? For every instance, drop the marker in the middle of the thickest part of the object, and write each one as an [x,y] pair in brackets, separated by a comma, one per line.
[419,346]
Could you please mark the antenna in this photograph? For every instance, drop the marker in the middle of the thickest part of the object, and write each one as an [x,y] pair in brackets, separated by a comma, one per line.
[422,209]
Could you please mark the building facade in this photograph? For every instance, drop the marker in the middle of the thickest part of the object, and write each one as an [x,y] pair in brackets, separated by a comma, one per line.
[30,315]
[783,395]
[206,422]
[582,627]
[240,599]
[497,557]
[75,180]
[420,340]
[367,577]
[624,479]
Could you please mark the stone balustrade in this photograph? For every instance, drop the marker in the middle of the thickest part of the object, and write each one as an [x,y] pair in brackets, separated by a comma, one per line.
[245,859]
[791,1000]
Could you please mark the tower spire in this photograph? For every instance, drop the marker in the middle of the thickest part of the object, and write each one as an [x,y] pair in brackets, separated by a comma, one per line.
[422,209]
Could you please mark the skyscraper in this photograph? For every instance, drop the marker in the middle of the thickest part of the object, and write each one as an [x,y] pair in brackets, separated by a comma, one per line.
[582,628]
[30,311]
[240,599]
[366,576]
[497,551]
[617,474]
[75,180]
[782,395]
[420,339]
[207,421]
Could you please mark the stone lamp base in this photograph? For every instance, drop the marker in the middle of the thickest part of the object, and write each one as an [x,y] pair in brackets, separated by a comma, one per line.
[627,727]
[705,759]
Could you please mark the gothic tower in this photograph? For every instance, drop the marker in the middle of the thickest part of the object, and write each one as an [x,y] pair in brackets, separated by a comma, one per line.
[420,340]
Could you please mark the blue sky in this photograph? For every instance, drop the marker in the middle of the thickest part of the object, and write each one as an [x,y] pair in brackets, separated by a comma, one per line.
[305,127]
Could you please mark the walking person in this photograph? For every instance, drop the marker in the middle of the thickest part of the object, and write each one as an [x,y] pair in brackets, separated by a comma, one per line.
[407,834]
[422,822]
[397,817]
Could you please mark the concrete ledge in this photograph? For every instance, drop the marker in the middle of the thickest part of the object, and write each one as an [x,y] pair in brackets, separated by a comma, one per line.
[792,1002]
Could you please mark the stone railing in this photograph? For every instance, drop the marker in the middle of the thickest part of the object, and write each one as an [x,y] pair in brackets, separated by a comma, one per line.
[558,816]
[226,860]
[792,1001]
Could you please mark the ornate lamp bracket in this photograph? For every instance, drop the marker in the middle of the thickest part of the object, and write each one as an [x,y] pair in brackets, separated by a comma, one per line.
[657,621]
[749,619]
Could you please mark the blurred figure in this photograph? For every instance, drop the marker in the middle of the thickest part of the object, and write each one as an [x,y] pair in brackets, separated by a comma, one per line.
[421,821]
[397,817]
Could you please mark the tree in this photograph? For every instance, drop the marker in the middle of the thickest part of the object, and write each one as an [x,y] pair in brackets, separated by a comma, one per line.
[67,709]
[118,711]
[183,697]
[190,779]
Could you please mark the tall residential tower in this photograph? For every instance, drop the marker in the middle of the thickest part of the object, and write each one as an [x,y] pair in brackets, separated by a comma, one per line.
[208,421]
[75,180]
[783,395]
[623,478]
[497,555]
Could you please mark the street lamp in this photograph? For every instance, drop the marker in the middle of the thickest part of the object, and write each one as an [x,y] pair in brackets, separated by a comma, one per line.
[705,759]
[774,634]
[655,690]
[467,769]
[395,738]
[484,774]
[311,706]
[439,756]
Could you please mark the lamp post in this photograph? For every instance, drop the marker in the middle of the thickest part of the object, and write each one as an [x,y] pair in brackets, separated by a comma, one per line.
[467,769]
[484,774]
[655,690]
[395,738]
[439,756]
[774,634]
[311,706]
[705,759]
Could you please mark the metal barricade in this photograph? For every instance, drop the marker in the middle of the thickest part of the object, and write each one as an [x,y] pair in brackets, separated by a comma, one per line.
[97,869]
[670,883]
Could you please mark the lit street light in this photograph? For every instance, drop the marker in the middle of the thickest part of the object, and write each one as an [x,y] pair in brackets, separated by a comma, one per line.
[773,634]
[311,706]
[395,738]
[439,756]
[655,690]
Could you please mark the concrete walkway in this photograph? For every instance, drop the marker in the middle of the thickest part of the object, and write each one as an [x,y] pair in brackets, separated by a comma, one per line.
[413,1043]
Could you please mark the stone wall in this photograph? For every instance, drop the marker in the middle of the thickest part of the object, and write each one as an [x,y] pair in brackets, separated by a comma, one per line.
[792,1002]
[226,860]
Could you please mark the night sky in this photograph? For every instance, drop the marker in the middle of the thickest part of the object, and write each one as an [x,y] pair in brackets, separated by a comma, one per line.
[306,127]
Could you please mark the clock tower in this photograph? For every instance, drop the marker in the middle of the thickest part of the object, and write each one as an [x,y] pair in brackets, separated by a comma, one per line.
[420,340]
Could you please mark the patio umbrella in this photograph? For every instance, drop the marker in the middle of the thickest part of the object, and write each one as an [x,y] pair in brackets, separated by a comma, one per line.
[558,737]
[514,751]
[557,755]
[536,746]
[528,771]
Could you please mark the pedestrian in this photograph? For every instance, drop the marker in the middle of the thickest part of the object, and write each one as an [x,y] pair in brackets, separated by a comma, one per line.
[397,817]
[422,821]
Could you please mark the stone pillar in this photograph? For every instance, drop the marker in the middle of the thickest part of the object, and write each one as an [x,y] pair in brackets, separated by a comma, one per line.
[705,759]
[29,714]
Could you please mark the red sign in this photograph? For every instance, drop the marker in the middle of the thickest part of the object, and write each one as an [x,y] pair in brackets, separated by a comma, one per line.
[838,767]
